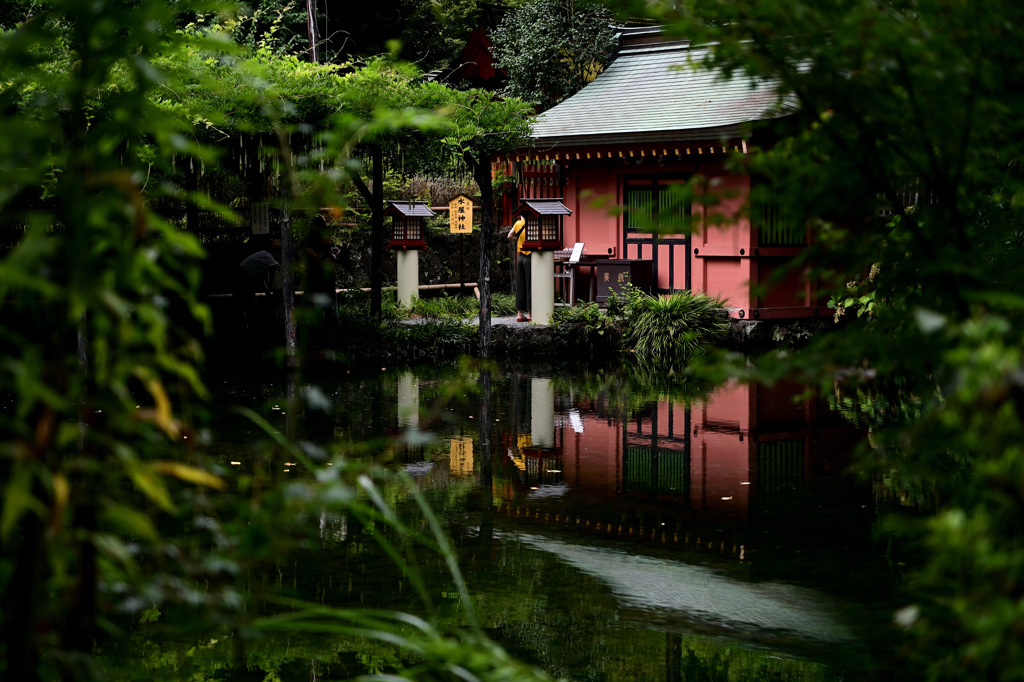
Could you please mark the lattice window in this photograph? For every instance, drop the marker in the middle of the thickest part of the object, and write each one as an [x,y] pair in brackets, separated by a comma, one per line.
[542,229]
[406,229]
[653,206]
[775,226]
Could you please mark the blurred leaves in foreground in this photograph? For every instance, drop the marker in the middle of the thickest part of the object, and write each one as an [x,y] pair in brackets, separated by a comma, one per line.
[110,514]
[902,152]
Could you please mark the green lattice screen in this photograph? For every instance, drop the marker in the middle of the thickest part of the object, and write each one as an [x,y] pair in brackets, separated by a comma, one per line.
[662,206]
[639,208]
[774,226]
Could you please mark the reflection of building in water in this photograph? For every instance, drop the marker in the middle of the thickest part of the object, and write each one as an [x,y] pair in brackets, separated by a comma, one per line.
[744,449]
[333,528]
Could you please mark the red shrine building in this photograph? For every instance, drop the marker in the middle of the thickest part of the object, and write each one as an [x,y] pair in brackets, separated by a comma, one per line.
[645,144]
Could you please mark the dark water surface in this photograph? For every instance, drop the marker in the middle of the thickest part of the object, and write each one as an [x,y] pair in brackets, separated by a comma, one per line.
[607,531]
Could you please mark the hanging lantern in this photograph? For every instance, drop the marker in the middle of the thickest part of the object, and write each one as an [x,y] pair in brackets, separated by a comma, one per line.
[407,228]
[543,223]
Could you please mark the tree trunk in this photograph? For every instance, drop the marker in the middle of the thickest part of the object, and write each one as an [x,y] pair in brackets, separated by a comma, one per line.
[482,174]
[311,30]
[377,246]
[374,198]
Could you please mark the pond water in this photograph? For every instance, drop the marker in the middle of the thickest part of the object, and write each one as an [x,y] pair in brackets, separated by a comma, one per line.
[606,530]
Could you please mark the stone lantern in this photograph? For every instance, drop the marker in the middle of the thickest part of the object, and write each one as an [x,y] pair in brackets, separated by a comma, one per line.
[543,237]
[408,238]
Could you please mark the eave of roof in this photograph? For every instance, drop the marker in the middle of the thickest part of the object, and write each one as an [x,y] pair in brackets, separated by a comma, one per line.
[544,207]
[657,92]
[410,209]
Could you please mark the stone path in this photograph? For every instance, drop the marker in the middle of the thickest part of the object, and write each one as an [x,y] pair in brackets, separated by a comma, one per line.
[509,321]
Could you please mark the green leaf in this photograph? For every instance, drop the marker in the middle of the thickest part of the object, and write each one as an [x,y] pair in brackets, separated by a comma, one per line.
[150,483]
[130,520]
[19,499]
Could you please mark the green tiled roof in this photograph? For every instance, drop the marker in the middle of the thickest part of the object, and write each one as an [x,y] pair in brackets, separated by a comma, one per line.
[409,209]
[544,207]
[657,92]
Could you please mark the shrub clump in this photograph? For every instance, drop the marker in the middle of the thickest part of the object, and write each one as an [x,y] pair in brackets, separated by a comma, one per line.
[658,330]
[448,307]
[671,329]
[586,329]
[357,336]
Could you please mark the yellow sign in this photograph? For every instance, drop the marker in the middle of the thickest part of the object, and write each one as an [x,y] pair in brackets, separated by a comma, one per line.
[460,212]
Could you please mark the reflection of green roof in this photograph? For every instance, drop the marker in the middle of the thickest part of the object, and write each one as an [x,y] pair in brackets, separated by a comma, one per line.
[657,92]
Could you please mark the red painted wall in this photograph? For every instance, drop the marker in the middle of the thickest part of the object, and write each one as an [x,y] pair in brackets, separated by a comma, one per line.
[725,258]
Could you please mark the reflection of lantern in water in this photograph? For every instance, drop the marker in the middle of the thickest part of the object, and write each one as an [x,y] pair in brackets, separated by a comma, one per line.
[542,413]
[461,458]
[408,401]
[542,466]
[522,442]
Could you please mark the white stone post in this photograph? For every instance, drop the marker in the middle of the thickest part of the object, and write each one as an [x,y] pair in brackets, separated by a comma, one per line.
[408,276]
[542,290]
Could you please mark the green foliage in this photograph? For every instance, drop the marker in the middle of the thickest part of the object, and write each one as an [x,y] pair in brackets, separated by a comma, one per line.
[427,653]
[441,335]
[445,307]
[107,514]
[502,304]
[275,26]
[585,329]
[859,298]
[669,330]
[472,126]
[98,327]
[435,32]
[224,90]
[481,124]
[552,48]
[909,110]
[15,12]
[618,302]
[439,340]
[661,332]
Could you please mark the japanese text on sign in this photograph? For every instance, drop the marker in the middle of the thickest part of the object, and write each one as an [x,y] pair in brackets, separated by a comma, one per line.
[460,210]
